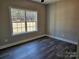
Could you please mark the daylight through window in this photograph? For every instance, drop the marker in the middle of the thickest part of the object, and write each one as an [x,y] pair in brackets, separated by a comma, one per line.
[23,20]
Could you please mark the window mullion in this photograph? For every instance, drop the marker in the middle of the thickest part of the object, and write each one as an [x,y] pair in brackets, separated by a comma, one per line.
[25,22]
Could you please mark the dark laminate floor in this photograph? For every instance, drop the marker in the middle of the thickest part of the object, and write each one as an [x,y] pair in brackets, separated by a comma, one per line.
[43,48]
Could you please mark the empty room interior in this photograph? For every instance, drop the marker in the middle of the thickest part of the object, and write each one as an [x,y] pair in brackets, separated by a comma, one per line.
[39,29]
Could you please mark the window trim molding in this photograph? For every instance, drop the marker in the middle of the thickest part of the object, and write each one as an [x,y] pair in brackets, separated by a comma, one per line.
[11,28]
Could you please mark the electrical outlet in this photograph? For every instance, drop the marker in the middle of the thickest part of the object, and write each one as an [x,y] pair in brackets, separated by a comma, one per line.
[6,40]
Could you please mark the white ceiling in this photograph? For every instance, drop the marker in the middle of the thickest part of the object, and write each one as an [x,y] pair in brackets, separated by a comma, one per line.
[46,1]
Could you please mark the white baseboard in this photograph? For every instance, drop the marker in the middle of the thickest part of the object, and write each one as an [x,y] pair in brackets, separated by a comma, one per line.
[66,40]
[12,44]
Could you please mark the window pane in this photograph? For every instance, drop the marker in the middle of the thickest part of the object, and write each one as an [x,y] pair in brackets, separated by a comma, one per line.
[31,18]
[18,20]
[15,30]
[23,20]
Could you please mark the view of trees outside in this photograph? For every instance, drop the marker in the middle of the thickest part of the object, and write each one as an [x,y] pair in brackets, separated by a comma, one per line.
[23,20]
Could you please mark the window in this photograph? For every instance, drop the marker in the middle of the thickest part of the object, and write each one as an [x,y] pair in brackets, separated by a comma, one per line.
[31,18]
[23,20]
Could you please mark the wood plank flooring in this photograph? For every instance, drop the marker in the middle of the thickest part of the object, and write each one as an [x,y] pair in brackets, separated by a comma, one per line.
[42,48]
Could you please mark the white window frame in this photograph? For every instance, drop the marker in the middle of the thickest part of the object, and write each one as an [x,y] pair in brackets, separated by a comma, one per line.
[25,22]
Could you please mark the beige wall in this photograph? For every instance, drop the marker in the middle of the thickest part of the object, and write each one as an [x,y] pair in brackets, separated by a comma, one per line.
[5,26]
[63,20]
